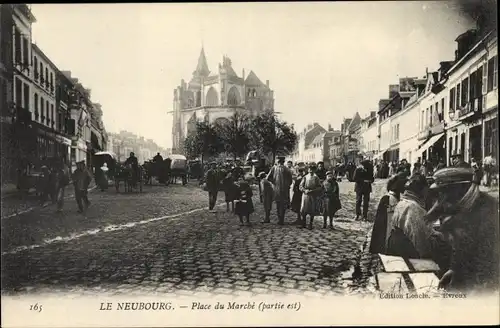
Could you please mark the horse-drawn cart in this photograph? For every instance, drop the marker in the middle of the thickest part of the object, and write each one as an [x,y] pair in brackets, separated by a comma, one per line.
[178,168]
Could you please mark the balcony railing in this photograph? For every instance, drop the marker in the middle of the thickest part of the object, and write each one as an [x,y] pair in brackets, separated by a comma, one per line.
[431,130]
[473,106]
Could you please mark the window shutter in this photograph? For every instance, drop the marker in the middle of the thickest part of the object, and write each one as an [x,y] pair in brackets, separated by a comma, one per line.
[495,72]
[485,78]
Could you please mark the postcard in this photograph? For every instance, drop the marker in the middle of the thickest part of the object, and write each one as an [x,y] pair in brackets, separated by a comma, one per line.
[249,164]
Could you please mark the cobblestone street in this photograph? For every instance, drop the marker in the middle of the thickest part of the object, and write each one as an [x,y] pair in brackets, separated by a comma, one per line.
[165,240]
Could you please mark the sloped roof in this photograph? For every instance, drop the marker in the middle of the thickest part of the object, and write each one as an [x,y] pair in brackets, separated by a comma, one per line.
[356,120]
[202,67]
[318,138]
[252,79]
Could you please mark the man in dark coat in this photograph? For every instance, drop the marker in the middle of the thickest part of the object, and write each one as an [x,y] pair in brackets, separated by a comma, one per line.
[212,183]
[363,179]
[469,218]
[281,178]
[321,171]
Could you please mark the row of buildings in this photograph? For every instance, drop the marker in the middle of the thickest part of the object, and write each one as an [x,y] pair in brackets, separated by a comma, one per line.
[45,112]
[124,142]
[453,110]
[215,96]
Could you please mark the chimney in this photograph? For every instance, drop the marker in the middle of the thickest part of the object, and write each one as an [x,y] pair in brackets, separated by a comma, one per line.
[67,74]
[330,127]
[267,83]
[243,73]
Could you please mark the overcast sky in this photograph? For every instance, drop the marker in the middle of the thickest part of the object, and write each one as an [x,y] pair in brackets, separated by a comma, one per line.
[325,61]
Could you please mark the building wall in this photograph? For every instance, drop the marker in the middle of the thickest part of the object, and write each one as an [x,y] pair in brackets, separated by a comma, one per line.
[457,131]
[385,135]
[370,140]
[404,131]
[44,109]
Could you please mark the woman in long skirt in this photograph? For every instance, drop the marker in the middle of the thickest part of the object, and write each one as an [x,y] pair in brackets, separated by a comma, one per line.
[311,196]
[297,196]
[230,191]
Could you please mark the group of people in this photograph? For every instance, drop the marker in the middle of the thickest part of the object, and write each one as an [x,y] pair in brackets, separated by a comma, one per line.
[446,219]
[308,192]
[54,179]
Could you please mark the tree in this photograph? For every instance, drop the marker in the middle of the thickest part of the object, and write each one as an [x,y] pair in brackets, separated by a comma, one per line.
[272,135]
[203,141]
[235,135]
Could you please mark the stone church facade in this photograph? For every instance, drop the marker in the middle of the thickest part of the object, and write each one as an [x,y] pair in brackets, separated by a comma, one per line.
[216,96]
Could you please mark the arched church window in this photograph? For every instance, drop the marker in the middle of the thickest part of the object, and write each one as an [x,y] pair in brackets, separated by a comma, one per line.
[254,93]
[233,97]
[212,99]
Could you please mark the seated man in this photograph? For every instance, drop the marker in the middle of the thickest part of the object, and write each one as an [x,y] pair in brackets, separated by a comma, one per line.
[134,163]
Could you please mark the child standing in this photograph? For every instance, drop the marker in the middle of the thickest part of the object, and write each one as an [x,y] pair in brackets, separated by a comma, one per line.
[243,203]
[331,199]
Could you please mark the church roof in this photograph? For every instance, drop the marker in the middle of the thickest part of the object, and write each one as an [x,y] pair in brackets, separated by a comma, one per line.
[202,67]
[252,79]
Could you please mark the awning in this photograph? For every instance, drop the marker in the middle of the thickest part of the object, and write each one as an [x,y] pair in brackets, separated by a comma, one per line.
[430,142]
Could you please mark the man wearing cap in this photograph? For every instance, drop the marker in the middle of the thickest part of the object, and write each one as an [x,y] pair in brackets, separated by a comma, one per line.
[281,177]
[469,218]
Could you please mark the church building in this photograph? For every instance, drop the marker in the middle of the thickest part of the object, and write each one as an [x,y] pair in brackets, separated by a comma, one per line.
[216,96]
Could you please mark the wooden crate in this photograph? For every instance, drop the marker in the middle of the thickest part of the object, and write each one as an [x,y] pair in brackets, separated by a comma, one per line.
[401,275]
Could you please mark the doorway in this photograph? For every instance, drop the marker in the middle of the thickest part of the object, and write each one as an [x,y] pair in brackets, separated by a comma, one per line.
[475,143]
[462,144]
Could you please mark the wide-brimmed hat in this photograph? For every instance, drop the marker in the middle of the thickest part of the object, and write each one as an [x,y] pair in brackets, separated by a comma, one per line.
[451,176]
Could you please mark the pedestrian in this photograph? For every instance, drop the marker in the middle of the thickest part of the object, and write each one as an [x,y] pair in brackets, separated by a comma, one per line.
[230,189]
[363,187]
[62,182]
[104,176]
[311,196]
[489,164]
[297,196]
[81,182]
[469,218]
[281,178]
[321,171]
[267,194]
[382,224]
[331,200]
[212,185]
[244,203]
[44,184]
